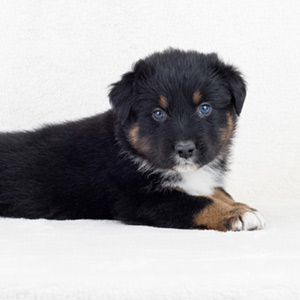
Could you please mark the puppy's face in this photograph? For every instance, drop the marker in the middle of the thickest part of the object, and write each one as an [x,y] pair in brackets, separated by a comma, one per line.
[178,109]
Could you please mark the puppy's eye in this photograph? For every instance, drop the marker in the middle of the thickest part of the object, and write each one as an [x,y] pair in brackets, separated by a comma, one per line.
[159,115]
[204,109]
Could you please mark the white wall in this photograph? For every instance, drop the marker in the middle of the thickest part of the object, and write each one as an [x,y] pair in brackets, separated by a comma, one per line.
[57,59]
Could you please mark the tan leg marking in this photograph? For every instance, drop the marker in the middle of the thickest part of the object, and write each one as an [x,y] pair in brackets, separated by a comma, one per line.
[225,214]
[221,195]
[224,197]
[219,216]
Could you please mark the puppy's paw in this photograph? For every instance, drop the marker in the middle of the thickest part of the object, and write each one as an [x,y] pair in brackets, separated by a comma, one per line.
[249,220]
[224,217]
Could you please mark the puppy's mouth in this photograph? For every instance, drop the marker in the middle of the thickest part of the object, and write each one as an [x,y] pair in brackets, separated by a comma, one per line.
[185,165]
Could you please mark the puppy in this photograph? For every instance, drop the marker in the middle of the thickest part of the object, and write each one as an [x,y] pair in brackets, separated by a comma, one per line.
[157,158]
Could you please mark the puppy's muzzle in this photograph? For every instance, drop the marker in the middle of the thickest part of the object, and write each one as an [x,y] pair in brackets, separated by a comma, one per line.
[185,149]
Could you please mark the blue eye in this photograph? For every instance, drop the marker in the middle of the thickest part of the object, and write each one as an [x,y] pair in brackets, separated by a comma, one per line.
[159,115]
[204,109]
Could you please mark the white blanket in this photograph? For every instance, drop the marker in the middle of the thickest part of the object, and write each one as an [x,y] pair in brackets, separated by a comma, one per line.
[101,260]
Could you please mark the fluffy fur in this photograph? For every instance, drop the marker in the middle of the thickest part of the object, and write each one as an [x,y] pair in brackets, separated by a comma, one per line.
[157,158]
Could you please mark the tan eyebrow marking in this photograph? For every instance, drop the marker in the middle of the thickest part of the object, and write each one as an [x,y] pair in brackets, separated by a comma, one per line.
[163,102]
[197,97]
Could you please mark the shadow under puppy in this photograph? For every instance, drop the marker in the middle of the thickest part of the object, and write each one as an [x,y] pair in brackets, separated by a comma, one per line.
[157,158]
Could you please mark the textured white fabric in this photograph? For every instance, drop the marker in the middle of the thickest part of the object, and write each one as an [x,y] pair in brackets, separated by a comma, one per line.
[109,260]
[57,59]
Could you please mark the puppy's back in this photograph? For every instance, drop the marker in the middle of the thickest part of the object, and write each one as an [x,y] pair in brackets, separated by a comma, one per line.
[47,172]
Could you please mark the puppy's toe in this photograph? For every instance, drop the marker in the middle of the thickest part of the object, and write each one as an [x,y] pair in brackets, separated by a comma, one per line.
[250,220]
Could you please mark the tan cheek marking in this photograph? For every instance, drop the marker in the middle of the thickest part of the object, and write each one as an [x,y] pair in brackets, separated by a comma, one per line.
[163,102]
[230,122]
[133,134]
[144,146]
[228,130]
[139,144]
[197,97]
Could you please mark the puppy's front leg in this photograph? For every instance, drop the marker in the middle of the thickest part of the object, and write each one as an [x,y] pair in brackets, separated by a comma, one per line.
[171,209]
[175,209]
[225,214]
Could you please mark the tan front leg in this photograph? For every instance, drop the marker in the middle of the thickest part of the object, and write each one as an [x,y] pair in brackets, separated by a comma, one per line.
[224,214]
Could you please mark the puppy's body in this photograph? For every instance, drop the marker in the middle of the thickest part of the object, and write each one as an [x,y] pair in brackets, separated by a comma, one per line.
[158,158]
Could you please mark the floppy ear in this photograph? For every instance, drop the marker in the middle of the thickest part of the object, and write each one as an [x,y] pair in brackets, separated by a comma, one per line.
[120,96]
[237,87]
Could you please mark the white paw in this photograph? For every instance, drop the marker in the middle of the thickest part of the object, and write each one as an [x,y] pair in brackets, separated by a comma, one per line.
[250,220]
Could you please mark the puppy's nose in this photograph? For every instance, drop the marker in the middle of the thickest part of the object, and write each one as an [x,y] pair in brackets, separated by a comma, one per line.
[185,149]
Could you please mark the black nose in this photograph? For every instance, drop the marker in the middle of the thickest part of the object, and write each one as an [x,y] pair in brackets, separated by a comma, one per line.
[185,149]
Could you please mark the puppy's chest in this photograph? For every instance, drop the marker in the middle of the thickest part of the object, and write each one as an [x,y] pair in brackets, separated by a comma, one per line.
[199,183]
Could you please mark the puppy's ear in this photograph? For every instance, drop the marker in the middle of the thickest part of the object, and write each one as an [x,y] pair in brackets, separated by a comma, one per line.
[237,87]
[120,96]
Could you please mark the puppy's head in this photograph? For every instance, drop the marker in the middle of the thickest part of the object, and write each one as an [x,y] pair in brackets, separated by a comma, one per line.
[178,109]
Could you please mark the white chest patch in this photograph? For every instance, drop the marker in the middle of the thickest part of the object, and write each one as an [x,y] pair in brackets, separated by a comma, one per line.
[201,182]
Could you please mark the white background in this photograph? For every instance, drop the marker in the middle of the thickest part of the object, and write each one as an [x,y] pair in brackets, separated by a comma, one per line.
[57,60]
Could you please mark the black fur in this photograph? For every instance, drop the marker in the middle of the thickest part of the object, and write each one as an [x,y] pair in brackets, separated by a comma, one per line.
[120,164]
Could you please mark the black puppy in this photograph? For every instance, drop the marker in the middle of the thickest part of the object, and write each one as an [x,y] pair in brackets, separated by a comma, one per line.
[157,158]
